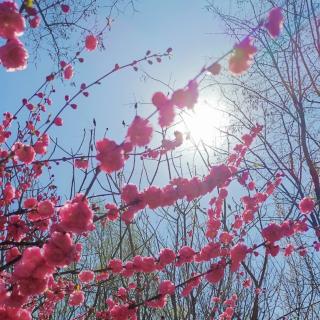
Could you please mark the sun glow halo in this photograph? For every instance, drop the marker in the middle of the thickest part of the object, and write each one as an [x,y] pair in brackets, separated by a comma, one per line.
[205,123]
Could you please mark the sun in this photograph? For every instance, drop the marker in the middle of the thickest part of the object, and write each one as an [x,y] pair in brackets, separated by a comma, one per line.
[205,123]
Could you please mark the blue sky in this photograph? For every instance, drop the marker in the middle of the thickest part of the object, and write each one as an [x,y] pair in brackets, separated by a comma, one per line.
[182,25]
[186,26]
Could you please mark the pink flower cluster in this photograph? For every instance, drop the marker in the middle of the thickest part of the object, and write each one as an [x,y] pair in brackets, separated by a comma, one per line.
[13,54]
[67,71]
[86,276]
[180,188]
[275,232]
[76,216]
[76,298]
[244,51]
[167,145]
[229,304]
[12,313]
[31,273]
[111,157]
[24,153]
[306,205]
[241,59]
[181,98]
[91,42]
[140,132]
[117,311]
[60,251]
[238,254]
[274,22]
[191,284]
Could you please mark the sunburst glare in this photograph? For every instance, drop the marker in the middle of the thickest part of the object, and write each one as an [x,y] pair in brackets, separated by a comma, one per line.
[206,123]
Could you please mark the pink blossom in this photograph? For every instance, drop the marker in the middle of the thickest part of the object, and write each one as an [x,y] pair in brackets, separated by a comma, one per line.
[13,55]
[248,216]
[247,283]
[274,22]
[113,212]
[288,250]
[12,254]
[8,193]
[169,195]
[210,251]
[300,226]
[115,265]
[273,232]
[35,22]
[225,237]
[76,298]
[287,228]
[272,249]
[30,203]
[102,276]
[24,153]
[129,269]
[158,303]
[31,272]
[130,194]
[229,312]
[193,283]
[86,276]
[58,121]
[306,205]
[11,313]
[251,185]
[144,264]
[140,132]
[214,69]
[237,254]
[216,273]
[110,155]
[166,287]
[153,197]
[40,147]
[247,139]
[122,293]
[148,264]
[303,251]
[186,97]
[45,209]
[91,42]
[12,23]
[65,8]
[186,254]
[159,99]
[213,225]
[258,291]
[135,201]
[81,163]
[16,228]
[76,215]
[122,312]
[165,109]
[218,177]
[166,115]
[166,257]
[237,223]
[68,72]
[190,189]
[241,58]
[60,251]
